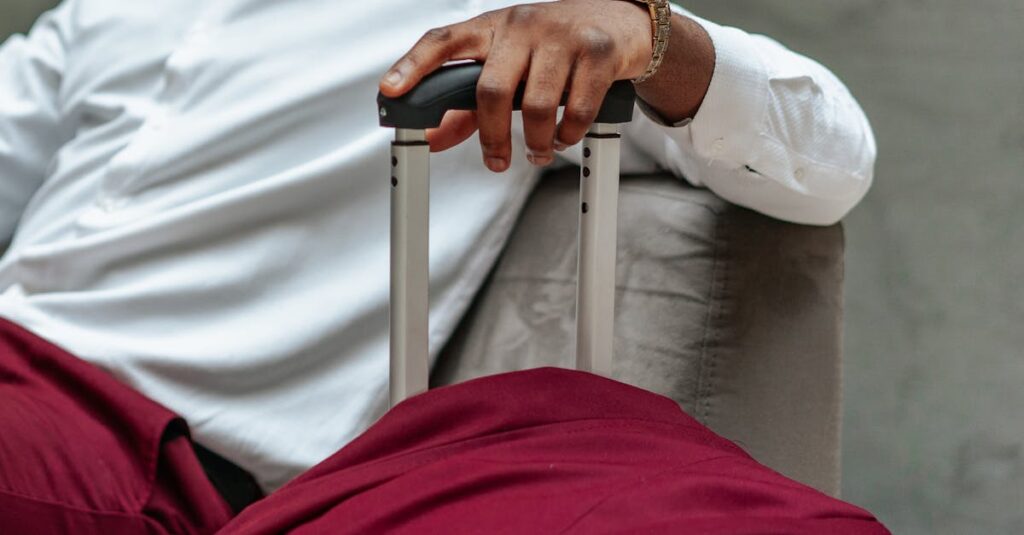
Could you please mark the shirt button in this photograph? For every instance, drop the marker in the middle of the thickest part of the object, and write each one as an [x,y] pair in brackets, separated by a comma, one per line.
[718,146]
[799,173]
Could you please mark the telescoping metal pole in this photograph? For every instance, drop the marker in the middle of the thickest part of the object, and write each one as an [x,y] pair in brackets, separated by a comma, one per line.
[410,258]
[595,291]
[453,87]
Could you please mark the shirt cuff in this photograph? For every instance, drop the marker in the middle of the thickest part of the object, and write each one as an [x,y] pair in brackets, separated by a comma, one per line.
[734,111]
[657,118]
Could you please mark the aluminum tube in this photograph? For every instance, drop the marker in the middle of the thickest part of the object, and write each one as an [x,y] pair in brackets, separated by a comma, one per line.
[595,292]
[410,261]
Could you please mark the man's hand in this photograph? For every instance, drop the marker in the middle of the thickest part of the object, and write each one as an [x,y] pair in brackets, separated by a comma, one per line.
[579,45]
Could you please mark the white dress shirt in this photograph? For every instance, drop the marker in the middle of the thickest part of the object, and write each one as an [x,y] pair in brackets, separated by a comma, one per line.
[196,194]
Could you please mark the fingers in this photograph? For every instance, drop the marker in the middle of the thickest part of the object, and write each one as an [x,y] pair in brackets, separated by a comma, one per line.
[456,127]
[466,40]
[585,97]
[527,38]
[592,76]
[495,91]
[549,72]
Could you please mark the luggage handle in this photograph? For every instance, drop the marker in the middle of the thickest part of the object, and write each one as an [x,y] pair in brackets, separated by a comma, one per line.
[453,87]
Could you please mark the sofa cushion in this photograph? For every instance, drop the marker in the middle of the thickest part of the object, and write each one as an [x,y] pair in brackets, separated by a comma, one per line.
[734,315]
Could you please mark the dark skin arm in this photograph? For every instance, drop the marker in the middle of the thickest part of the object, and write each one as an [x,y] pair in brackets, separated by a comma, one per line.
[579,45]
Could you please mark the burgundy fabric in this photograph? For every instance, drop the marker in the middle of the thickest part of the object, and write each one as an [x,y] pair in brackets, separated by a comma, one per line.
[539,451]
[82,453]
[545,451]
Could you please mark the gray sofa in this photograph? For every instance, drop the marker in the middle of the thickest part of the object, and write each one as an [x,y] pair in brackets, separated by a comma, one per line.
[734,315]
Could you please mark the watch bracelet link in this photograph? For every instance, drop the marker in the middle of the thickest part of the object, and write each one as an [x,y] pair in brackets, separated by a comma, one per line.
[661,28]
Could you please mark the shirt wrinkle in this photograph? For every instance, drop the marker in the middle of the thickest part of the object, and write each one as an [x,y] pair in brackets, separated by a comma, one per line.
[201,183]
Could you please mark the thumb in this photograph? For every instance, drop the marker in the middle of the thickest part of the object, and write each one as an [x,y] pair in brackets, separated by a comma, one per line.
[456,127]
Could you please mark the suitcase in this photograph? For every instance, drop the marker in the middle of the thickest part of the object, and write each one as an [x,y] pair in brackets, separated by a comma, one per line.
[453,87]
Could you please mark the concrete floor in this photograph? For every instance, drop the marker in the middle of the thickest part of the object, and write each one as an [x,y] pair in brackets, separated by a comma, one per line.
[934,437]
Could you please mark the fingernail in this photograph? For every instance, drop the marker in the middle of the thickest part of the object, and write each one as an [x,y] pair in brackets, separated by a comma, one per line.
[495,164]
[559,146]
[393,78]
[538,160]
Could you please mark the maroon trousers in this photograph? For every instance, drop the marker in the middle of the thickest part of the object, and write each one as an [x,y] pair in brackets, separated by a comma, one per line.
[539,451]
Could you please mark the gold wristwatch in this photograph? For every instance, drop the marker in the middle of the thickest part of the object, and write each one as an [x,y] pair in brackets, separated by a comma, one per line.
[661,27]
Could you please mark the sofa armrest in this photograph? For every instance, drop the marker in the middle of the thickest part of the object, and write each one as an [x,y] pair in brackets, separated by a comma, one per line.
[734,315]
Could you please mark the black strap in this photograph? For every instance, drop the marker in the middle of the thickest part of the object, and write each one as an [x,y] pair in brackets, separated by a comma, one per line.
[237,486]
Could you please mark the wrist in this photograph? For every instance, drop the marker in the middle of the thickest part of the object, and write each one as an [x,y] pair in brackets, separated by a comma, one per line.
[634,19]
[677,90]
[659,16]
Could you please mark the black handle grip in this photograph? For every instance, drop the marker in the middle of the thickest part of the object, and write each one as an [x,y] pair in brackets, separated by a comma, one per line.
[453,87]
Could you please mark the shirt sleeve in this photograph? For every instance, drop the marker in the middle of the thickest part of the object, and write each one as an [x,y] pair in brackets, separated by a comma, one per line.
[777,133]
[30,77]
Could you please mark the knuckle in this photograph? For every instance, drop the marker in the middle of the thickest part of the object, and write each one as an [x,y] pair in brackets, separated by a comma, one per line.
[411,60]
[580,114]
[490,89]
[438,35]
[522,14]
[492,145]
[539,108]
[486,20]
[597,44]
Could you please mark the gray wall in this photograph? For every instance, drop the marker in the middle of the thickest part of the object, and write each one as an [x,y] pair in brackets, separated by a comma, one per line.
[17,15]
[934,438]
[933,431]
